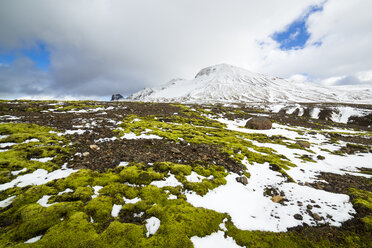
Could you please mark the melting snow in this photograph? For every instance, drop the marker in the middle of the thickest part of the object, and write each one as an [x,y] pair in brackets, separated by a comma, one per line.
[142,136]
[38,177]
[96,190]
[215,240]
[7,202]
[152,225]
[123,163]
[251,210]
[34,239]
[169,181]
[15,173]
[65,191]
[31,140]
[43,160]
[195,177]
[44,201]
[133,201]
[115,210]
[3,145]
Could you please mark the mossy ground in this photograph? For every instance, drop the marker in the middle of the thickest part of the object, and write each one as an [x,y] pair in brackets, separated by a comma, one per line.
[30,142]
[81,217]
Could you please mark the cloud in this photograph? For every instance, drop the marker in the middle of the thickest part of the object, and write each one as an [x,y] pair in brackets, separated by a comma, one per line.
[97,48]
[22,78]
[339,43]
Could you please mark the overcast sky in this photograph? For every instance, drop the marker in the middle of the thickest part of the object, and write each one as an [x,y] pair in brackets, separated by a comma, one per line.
[94,48]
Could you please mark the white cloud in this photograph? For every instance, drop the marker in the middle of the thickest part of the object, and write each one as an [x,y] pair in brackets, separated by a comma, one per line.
[103,47]
[343,27]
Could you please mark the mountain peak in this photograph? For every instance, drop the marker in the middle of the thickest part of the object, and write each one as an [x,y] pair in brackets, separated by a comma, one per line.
[228,83]
[224,69]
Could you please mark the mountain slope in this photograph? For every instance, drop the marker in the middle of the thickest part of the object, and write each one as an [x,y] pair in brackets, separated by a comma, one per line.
[227,83]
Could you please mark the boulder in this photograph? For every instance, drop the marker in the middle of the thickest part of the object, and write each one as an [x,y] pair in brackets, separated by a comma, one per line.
[303,144]
[259,123]
[116,97]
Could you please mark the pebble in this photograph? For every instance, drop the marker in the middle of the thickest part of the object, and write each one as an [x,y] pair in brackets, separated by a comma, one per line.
[277,198]
[317,217]
[94,147]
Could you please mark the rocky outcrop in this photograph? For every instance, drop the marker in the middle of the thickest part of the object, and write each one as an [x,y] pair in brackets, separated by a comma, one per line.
[116,97]
[259,123]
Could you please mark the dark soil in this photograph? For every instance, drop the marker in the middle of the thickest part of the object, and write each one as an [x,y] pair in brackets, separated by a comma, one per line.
[111,153]
[342,183]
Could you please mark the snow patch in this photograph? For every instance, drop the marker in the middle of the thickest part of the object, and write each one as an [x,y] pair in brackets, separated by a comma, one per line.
[38,177]
[169,181]
[152,226]
[34,239]
[215,240]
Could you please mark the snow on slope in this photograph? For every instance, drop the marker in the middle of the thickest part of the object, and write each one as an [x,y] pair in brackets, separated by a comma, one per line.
[227,83]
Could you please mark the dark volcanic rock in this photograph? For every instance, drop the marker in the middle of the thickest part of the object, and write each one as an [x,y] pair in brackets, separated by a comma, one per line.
[298,216]
[259,123]
[243,180]
[116,97]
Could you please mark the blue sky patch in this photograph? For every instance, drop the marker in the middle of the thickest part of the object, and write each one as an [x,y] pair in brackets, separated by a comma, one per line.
[296,35]
[38,53]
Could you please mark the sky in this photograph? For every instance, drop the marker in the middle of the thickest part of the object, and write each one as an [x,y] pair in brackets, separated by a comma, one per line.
[90,49]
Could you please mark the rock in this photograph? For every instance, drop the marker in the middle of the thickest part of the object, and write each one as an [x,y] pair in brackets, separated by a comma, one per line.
[277,198]
[300,204]
[259,123]
[320,157]
[303,144]
[243,180]
[116,97]
[298,216]
[317,217]
[85,154]
[309,207]
[94,147]
[174,150]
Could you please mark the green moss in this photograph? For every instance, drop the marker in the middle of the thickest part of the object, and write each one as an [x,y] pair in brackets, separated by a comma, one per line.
[33,219]
[181,169]
[228,140]
[32,195]
[118,190]
[77,231]
[100,208]
[21,154]
[136,175]
[363,199]
[124,235]
[78,105]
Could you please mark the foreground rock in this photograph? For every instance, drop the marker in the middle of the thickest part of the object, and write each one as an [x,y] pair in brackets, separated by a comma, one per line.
[259,123]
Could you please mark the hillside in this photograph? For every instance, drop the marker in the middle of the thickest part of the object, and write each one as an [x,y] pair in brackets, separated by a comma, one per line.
[134,174]
[226,83]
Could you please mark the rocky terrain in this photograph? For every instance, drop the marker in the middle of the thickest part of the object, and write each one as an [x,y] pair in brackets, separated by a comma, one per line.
[141,174]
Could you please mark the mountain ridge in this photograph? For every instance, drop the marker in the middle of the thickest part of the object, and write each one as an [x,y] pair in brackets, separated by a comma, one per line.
[227,83]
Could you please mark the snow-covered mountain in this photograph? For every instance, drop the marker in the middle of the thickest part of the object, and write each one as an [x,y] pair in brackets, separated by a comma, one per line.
[227,83]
